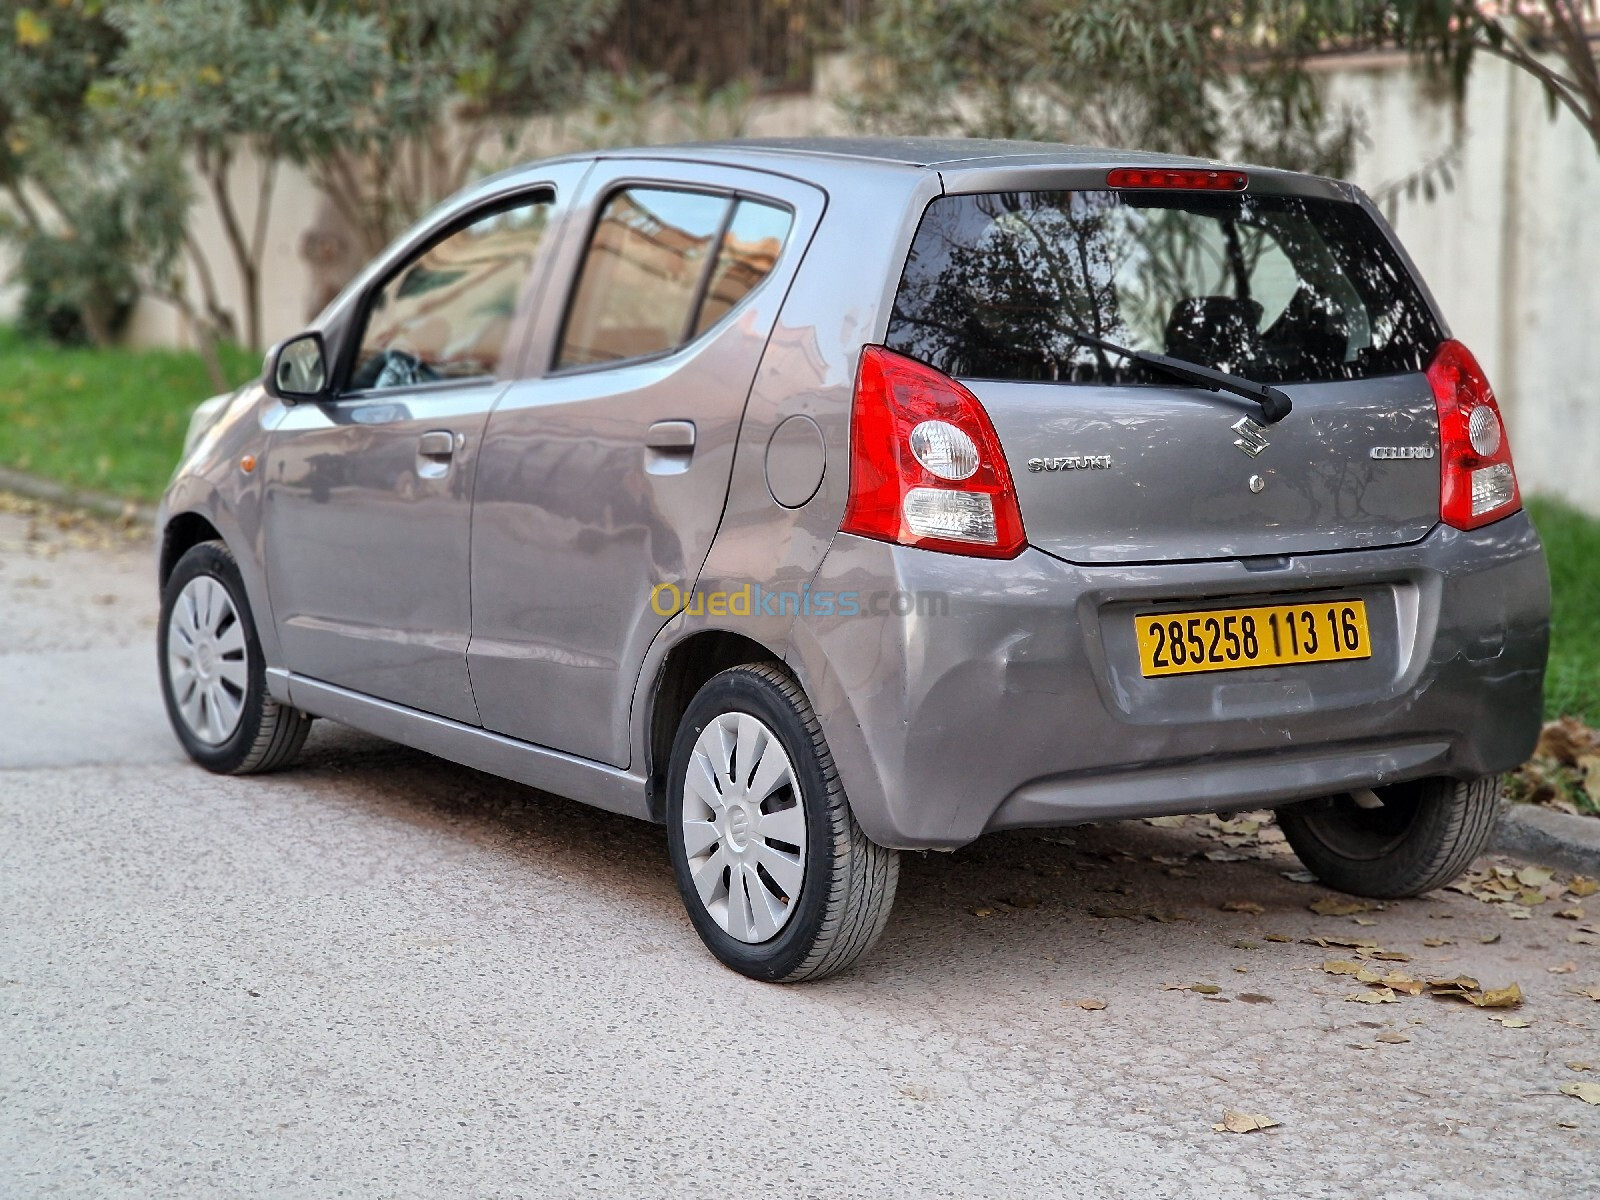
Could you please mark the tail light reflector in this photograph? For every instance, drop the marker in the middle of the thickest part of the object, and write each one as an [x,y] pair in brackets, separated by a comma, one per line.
[1477,482]
[925,465]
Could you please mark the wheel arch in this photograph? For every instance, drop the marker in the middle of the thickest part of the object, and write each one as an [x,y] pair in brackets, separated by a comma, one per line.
[683,672]
[182,533]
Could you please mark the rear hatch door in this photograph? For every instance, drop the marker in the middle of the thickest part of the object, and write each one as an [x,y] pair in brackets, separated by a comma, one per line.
[1115,463]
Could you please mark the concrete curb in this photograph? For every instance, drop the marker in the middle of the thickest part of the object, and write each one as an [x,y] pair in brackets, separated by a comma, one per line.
[53,492]
[1556,839]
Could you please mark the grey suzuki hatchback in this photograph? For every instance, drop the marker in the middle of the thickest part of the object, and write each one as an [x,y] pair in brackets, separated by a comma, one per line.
[825,498]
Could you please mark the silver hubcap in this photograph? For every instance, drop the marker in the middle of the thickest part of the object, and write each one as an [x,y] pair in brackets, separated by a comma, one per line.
[206,663]
[744,830]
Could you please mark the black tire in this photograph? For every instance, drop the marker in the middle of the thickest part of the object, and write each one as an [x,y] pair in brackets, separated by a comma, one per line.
[848,884]
[1426,834]
[268,735]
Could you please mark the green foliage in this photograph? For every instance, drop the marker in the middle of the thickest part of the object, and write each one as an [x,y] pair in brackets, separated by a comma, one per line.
[1572,544]
[1204,77]
[112,420]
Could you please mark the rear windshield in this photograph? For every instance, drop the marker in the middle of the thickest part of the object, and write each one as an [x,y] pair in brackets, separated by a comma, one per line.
[1279,289]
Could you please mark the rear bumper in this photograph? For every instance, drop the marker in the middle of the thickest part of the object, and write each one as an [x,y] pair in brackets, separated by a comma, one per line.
[1009,694]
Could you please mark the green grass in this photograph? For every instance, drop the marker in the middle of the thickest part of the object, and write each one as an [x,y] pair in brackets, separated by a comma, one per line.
[1572,542]
[108,420]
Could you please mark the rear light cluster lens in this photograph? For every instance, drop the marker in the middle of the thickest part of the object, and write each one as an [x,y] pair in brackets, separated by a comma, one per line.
[1478,483]
[1189,180]
[925,465]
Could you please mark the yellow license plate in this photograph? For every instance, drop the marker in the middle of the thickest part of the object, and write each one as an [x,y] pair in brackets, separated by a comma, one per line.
[1231,639]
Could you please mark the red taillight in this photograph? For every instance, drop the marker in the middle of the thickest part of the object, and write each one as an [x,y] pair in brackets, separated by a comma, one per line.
[1190,180]
[1477,483]
[925,466]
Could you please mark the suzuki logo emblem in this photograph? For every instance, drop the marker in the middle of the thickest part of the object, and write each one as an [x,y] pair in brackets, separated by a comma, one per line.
[1252,438]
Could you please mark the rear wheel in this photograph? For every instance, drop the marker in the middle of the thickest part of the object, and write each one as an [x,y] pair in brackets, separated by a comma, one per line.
[213,676]
[1424,834]
[779,880]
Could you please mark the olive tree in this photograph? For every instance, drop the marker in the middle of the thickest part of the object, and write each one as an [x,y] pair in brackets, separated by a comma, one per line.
[1206,77]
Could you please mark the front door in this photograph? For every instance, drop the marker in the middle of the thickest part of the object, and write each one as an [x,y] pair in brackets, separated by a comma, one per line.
[601,483]
[369,495]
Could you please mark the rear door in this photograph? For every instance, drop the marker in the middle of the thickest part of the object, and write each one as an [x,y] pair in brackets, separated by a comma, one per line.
[1114,465]
[603,475]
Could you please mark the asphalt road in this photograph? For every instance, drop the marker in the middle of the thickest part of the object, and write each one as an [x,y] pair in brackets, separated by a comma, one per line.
[379,974]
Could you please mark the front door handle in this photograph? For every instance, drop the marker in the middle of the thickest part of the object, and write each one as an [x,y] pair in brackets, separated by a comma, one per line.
[438,443]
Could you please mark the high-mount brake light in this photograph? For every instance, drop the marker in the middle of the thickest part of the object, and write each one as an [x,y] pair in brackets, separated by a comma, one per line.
[926,468]
[1477,482]
[1186,179]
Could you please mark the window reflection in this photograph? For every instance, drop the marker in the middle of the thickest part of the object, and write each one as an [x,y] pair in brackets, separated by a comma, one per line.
[641,275]
[1277,288]
[447,314]
[749,250]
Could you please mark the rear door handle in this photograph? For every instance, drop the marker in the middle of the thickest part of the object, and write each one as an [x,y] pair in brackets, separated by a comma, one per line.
[669,447]
[670,435]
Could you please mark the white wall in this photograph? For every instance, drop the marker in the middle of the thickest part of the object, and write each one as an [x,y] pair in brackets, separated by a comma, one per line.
[1512,252]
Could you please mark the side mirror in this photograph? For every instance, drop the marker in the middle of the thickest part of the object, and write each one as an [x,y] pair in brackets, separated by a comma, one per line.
[297,369]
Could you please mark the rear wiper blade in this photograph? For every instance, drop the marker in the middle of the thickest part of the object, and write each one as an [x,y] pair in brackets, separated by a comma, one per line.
[1275,405]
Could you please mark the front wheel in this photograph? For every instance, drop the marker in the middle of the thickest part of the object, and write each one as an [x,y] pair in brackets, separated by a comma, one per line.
[779,880]
[213,676]
[1421,836]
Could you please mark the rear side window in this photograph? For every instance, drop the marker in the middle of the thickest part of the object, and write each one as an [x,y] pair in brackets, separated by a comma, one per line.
[1279,289]
[664,266]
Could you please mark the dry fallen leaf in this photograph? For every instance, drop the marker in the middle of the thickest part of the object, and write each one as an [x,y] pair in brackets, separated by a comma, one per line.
[1583,939]
[1593,992]
[1512,1022]
[1338,906]
[1535,877]
[1278,937]
[1167,822]
[980,911]
[1509,996]
[1569,914]
[1580,1066]
[1435,943]
[1581,886]
[1367,975]
[1489,939]
[1589,1093]
[1394,1038]
[1386,955]
[1566,968]
[1091,1005]
[1234,1121]
[1242,906]
[1339,966]
[1401,982]
[1254,998]
[1205,989]
[1519,914]
[1373,996]
[1327,939]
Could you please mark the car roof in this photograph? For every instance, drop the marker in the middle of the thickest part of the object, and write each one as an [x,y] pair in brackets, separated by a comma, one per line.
[960,162]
